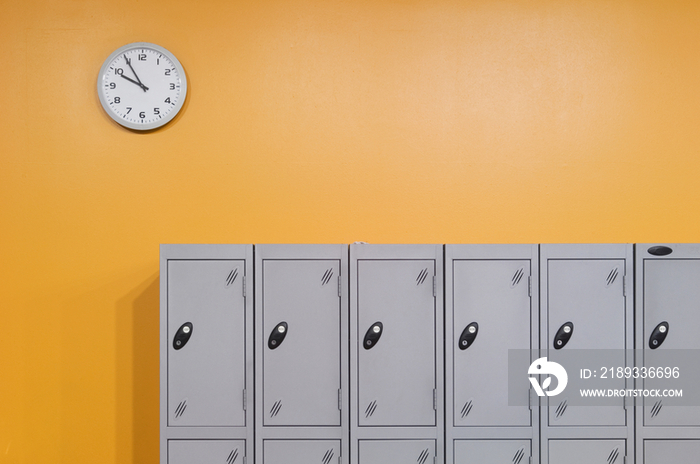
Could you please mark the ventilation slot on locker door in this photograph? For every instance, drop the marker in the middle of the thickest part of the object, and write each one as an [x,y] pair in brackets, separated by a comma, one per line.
[180,410]
[423,456]
[231,277]
[656,409]
[422,276]
[276,408]
[467,408]
[517,277]
[232,457]
[611,277]
[326,277]
[519,456]
[370,409]
[561,409]
[614,454]
[327,457]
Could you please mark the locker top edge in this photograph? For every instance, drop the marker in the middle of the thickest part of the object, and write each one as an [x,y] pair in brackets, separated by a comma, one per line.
[300,251]
[205,251]
[667,250]
[586,250]
[492,251]
[369,251]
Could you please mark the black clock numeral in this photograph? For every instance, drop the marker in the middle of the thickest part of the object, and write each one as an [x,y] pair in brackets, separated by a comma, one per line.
[156,110]
[142,57]
[117,100]
[167,72]
[119,71]
[158,61]
[142,114]
[172,86]
[167,100]
[128,109]
[112,85]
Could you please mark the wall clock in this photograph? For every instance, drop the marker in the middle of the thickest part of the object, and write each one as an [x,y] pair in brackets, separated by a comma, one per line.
[142,86]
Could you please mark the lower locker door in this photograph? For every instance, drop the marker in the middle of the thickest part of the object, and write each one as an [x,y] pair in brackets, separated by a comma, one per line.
[397,452]
[301,452]
[587,451]
[675,451]
[492,451]
[206,451]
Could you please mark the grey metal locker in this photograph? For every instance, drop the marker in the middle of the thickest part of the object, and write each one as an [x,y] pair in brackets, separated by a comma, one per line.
[301,375]
[208,295]
[675,451]
[396,355]
[668,315]
[301,452]
[301,312]
[399,371]
[493,451]
[586,322]
[670,296]
[206,451]
[206,346]
[590,294]
[491,309]
[587,452]
[397,451]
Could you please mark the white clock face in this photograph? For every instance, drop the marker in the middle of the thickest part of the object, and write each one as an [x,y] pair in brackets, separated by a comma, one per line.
[142,86]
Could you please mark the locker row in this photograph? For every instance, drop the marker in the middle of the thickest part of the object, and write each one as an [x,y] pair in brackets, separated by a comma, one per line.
[369,354]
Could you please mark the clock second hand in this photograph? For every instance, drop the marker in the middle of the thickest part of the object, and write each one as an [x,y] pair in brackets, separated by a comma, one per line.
[128,61]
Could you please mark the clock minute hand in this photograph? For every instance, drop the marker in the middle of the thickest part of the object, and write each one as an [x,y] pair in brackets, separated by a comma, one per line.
[128,61]
[137,83]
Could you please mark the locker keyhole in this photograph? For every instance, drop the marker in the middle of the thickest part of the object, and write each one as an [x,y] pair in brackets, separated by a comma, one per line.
[658,335]
[563,335]
[277,335]
[373,335]
[182,336]
[468,336]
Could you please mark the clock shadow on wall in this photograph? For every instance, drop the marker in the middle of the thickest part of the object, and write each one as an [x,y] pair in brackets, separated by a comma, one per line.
[142,87]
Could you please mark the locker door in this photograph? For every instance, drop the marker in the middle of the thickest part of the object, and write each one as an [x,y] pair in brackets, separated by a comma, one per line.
[301,374]
[396,375]
[672,295]
[492,451]
[587,452]
[206,375]
[492,295]
[588,293]
[206,451]
[675,451]
[397,451]
[301,452]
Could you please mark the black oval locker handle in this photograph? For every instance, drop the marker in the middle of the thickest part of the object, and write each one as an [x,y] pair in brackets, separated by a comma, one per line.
[658,335]
[182,336]
[374,333]
[659,251]
[468,336]
[563,335]
[277,335]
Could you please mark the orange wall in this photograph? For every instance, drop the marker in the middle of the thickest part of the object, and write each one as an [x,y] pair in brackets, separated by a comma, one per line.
[308,121]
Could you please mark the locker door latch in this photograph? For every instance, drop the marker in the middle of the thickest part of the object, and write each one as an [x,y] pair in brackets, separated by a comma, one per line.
[277,335]
[563,335]
[468,336]
[373,335]
[658,335]
[182,336]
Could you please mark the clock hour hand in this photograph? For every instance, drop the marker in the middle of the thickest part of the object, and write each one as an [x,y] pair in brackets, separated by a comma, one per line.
[137,83]
[128,61]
